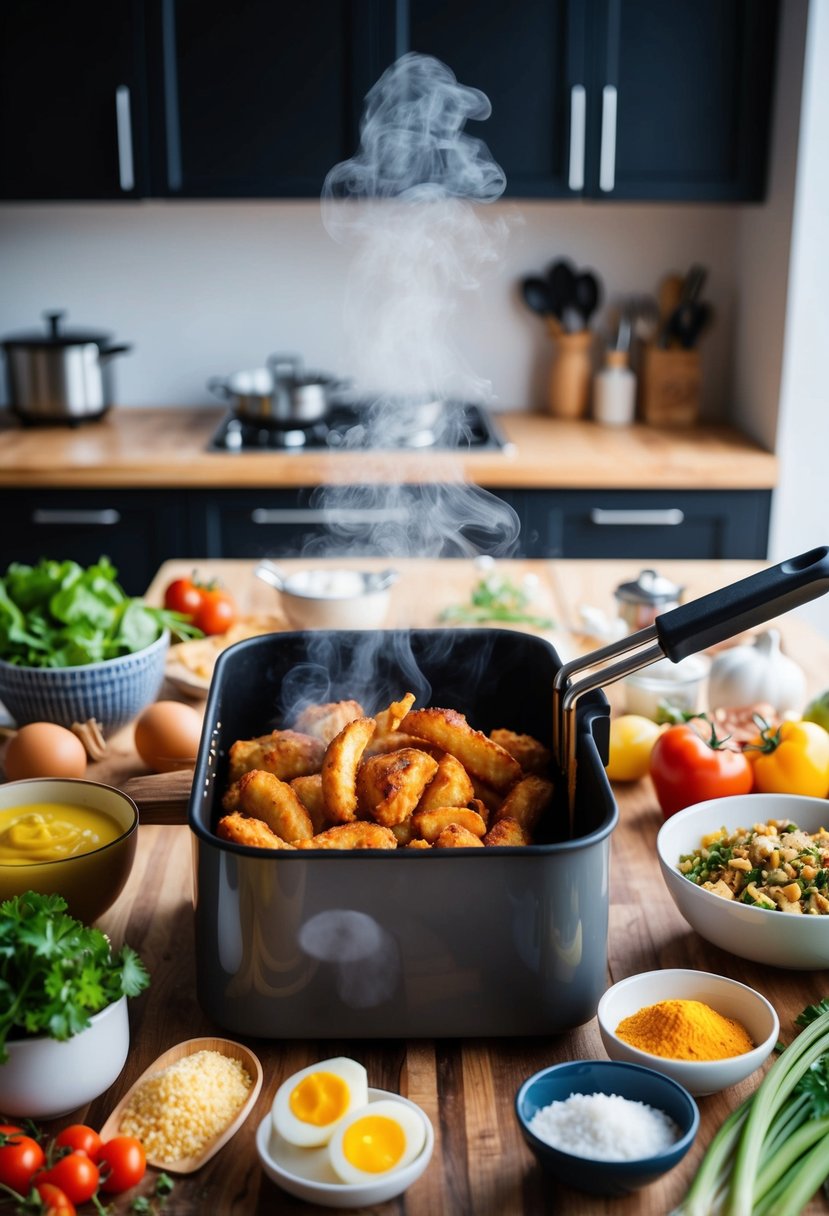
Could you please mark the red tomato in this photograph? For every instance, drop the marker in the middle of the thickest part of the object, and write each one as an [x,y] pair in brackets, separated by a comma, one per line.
[687,767]
[79,1136]
[183,595]
[217,611]
[9,1129]
[20,1159]
[76,1176]
[55,1202]
[122,1163]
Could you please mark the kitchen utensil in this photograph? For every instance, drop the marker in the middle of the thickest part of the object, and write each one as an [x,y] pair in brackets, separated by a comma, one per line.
[561,278]
[60,376]
[688,322]
[587,295]
[728,997]
[282,394]
[330,599]
[639,601]
[307,1174]
[770,939]
[637,1084]
[670,293]
[538,298]
[236,1051]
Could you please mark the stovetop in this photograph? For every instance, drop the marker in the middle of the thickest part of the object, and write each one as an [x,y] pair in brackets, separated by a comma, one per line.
[353,426]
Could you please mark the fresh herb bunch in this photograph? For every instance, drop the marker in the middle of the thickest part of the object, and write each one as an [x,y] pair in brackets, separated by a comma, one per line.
[55,972]
[495,598]
[60,614]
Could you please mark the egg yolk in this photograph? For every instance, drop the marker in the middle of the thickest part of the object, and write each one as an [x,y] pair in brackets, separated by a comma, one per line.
[319,1099]
[374,1144]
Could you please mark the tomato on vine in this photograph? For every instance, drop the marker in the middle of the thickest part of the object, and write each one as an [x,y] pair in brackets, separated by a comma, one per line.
[183,595]
[54,1201]
[20,1159]
[689,766]
[122,1163]
[74,1174]
[79,1136]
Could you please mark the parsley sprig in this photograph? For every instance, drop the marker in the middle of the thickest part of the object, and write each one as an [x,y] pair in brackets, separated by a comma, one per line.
[56,972]
[495,598]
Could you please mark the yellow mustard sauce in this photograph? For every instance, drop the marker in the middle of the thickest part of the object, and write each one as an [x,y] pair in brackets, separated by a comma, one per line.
[51,831]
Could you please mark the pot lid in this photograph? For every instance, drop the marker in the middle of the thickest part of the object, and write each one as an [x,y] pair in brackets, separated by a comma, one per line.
[56,335]
[649,588]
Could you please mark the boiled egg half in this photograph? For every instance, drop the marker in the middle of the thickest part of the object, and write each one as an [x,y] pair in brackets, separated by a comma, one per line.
[311,1104]
[371,1143]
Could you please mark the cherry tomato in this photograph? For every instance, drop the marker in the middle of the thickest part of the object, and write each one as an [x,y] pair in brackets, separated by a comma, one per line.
[55,1201]
[79,1136]
[75,1175]
[20,1159]
[183,595]
[122,1163]
[217,611]
[688,767]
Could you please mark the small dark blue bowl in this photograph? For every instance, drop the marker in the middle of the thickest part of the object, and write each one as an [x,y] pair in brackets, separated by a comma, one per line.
[557,1083]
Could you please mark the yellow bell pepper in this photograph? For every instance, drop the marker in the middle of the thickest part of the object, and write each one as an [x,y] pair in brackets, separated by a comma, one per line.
[791,759]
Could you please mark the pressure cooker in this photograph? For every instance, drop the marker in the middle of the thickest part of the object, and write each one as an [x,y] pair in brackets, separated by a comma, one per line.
[60,375]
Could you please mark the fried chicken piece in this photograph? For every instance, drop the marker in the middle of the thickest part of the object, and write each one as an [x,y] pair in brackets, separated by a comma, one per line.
[403,832]
[285,753]
[326,721]
[484,793]
[475,804]
[506,833]
[252,832]
[450,786]
[455,836]
[479,755]
[357,835]
[263,796]
[527,801]
[530,753]
[339,769]
[309,791]
[418,844]
[389,786]
[430,824]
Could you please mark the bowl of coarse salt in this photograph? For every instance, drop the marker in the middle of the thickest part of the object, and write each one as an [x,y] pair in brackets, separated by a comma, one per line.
[606,1127]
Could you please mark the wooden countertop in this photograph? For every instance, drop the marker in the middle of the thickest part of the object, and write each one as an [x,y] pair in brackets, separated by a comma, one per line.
[480,1163]
[134,447]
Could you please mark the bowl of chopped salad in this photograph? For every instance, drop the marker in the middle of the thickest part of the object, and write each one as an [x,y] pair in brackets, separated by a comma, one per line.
[750,874]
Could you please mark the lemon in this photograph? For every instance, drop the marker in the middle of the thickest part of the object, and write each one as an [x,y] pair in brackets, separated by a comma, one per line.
[631,739]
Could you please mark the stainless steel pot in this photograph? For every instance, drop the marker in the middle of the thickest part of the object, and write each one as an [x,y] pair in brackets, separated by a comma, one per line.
[60,375]
[280,394]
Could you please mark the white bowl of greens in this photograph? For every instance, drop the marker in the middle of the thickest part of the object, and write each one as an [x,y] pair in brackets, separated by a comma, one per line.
[74,645]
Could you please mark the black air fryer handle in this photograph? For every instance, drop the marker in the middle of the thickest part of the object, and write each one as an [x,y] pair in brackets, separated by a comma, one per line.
[760,597]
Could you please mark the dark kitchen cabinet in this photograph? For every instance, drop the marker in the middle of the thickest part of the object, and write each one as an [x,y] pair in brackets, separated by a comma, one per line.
[624,99]
[136,529]
[72,99]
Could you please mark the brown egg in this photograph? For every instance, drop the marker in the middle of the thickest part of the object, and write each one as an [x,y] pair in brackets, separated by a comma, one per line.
[44,749]
[167,736]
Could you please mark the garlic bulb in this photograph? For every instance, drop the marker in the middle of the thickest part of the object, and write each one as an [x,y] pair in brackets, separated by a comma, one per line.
[756,671]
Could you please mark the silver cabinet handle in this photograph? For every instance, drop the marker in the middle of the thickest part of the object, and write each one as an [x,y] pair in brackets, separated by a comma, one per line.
[668,517]
[126,168]
[105,518]
[578,112]
[607,154]
[298,515]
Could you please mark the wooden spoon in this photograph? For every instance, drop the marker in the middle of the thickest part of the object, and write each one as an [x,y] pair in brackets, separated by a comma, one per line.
[236,1051]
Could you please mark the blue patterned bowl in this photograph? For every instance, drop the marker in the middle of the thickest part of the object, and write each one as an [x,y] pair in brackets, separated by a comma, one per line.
[113,691]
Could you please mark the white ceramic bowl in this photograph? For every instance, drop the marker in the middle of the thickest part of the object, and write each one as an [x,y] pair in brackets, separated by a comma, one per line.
[331,598]
[774,939]
[678,684]
[307,1174]
[726,996]
[44,1078]
[113,691]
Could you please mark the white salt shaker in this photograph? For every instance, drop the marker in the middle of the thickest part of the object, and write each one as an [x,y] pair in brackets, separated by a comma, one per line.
[614,391]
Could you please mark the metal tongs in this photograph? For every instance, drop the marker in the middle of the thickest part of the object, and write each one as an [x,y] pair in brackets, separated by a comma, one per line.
[678,633]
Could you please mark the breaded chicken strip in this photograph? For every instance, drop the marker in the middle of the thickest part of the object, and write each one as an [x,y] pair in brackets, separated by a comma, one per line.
[326,721]
[450,786]
[309,791]
[454,836]
[450,731]
[527,801]
[285,753]
[389,787]
[418,844]
[530,753]
[506,833]
[357,835]
[430,824]
[339,769]
[252,832]
[263,796]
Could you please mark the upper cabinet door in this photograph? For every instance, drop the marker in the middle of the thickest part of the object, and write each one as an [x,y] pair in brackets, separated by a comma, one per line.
[681,99]
[529,59]
[71,99]
[256,98]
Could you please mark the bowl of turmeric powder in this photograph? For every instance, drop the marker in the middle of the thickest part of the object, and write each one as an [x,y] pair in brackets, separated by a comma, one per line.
[703,1030]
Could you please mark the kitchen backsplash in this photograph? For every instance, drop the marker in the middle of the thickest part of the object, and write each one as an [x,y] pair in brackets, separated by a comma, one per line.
[205,289]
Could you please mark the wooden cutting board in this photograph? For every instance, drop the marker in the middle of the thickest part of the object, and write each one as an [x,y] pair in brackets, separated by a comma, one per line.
[161,797]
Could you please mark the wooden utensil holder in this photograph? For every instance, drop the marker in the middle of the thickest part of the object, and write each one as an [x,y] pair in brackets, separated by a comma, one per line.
[669,386]
[571,375]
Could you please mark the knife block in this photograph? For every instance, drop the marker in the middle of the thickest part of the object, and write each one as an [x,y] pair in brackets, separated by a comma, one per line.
[669,386]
